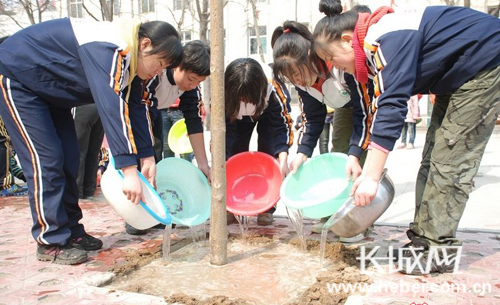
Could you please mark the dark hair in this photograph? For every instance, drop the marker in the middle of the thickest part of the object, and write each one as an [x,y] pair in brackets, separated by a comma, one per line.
[361,9]
[331,27]
[3,38]
[244,80]
[291,45]
[196,58]
[165,40]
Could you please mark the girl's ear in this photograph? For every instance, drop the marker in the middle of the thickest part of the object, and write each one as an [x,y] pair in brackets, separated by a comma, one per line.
[347,38]
[145,42]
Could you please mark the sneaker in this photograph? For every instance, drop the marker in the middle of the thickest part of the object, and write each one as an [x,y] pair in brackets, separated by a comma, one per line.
[133,231]
[318,228]
[86,242]
[265,219]
[410,146]
[14,190]
[402,145]
[62,255]
[354,239]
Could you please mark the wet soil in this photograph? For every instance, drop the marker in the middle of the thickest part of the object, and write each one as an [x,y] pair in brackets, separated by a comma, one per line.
[343,270]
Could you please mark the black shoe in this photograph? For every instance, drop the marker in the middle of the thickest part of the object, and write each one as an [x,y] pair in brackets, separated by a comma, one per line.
[162,226]
[86,242]
[133,231]
[62,255]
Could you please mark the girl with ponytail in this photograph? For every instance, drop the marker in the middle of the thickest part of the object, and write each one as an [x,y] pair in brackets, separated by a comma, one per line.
[319,84]
[451,52]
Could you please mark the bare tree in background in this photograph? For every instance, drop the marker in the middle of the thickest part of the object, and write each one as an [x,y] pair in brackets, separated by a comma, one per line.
[255,14]
[180,21]
[33,9]
[202,15]
[107,10]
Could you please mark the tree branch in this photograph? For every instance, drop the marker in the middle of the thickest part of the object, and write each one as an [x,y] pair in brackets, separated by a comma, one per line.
[90,14]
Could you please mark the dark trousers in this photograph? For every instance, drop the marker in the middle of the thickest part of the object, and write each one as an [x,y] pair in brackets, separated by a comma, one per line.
[169,117]
[47,147]
[240,133]
[90,134]
[411,129]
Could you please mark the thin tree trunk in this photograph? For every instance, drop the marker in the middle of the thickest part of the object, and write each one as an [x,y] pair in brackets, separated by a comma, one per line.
[466,3]
[256,28]
[218,218]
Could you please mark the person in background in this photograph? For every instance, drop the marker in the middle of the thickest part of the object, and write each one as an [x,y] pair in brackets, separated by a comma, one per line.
[410,127]
[449,51]
[89,132]
[324,137]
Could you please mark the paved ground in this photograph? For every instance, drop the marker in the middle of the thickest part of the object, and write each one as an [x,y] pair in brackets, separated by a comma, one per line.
[24,280]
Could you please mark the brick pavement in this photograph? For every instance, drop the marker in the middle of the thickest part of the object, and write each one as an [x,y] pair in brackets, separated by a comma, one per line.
[24,280]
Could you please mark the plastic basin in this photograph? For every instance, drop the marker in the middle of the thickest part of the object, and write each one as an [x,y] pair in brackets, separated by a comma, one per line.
[185,190]
[253,181]
[178,139]
[319,187]
[141,216]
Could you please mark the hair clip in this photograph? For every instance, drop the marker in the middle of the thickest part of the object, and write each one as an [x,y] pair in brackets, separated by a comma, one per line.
[286,31]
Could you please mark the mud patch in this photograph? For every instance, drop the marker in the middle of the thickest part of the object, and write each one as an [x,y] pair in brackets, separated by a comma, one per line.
[138,258]
[337,252]
[345,270]
[181,298]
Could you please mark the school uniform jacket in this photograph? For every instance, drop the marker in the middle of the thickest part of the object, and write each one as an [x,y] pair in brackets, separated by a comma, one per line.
[340,90]
[164,92]
[435,51]
[69,63]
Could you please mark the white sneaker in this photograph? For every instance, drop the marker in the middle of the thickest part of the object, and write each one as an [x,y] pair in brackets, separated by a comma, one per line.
[354,239]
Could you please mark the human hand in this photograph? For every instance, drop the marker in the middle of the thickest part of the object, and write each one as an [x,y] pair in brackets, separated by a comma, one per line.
[353,168]
[206,171]
[148,169]
[364,190]
[297,162]
[131,184]
[283,162]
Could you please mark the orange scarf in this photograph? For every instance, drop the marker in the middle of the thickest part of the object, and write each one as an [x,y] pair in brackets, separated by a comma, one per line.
[365,20]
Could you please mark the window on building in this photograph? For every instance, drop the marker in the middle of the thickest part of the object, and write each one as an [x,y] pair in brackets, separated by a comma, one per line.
[147,6]
[116,6]
[178,4]
[254,47]
[185,37]
[76,8]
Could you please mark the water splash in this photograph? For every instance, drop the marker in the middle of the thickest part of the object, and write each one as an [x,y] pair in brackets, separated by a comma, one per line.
[199,234]
[165,247]
[297,219]
[243,221]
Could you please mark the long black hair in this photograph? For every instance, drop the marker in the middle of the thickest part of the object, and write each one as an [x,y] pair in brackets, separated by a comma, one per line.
[292,44]
[331,27]
[244,81]
[165,40]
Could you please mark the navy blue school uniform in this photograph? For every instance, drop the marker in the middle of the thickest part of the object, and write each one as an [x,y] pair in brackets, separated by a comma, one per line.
[340,90]
[45,70]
